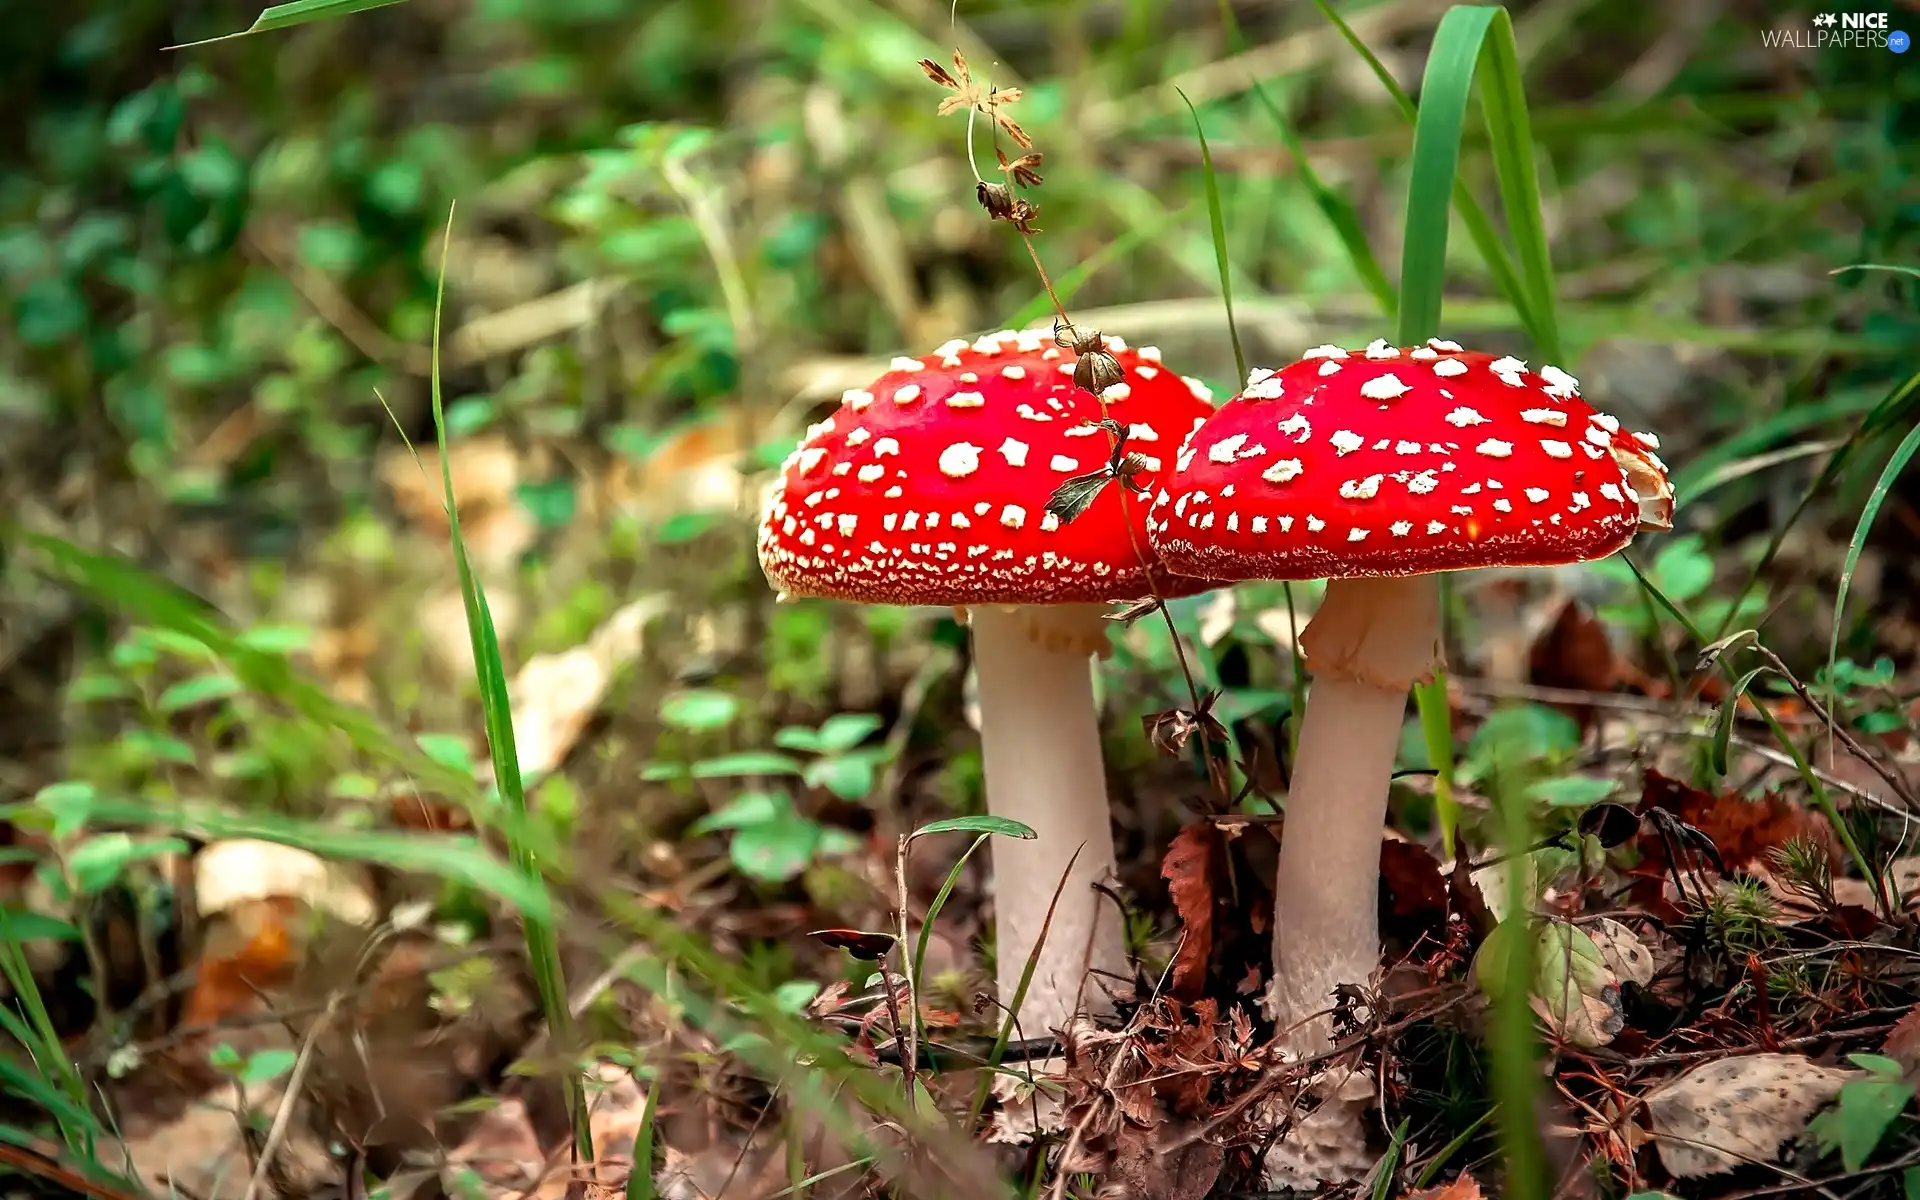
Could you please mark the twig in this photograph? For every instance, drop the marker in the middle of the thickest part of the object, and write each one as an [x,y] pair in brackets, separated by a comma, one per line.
[283,1115]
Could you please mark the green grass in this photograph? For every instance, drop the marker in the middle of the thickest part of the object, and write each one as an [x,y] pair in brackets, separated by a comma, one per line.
[543,944]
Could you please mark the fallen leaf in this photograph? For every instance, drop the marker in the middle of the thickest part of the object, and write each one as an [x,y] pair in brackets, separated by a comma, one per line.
[1725,1114]
[1413,891]
[1574,652]
[1189,868]
[1463,1187]
[1622,950]
[1744,831]
[1577,994]
[1028,1108]
[1903,1043]
[555,695]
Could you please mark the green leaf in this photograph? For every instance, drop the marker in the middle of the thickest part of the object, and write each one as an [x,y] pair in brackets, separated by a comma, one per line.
[1077,494]
[265,1066]
[199,690]
[748,808]
[1572,791]
[982,823]
[799,737]
[99,861]
[747,762]
[1724,719]
[775,851]
[699,711]
[70,803]
[24,925]
[844,731]
[448,749]
[295,12]
[848,776]
[1855,1125]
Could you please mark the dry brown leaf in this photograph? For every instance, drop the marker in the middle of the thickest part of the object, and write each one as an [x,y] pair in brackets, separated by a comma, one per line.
[1744,831]
[1188,869]
[1725,1114]
[554,695]
[1903,1043]
[1462,1187]
[1026,1109]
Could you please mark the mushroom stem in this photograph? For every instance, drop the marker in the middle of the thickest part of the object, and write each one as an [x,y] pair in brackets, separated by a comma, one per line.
[1369,642]
[1040,746]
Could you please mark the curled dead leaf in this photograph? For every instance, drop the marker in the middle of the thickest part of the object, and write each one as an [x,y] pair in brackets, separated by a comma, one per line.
[1189,868]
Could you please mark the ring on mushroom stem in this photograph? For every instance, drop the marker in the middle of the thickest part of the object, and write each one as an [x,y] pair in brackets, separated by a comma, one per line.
[931,486]
[1372,469]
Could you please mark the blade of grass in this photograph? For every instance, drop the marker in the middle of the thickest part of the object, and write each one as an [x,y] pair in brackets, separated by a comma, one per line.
[1471,38]
[543,945]
[1472,215]
[1217,222]
[1335,207]
[1013,1007]
[1822,799]
[640,1182]
[1902,455]
[1896,407]
[295,12]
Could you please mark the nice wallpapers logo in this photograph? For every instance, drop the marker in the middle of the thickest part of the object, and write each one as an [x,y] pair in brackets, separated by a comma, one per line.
[1841,31]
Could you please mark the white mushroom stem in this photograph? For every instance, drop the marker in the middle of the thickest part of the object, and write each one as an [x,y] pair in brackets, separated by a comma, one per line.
[1040,746]
[1369,642]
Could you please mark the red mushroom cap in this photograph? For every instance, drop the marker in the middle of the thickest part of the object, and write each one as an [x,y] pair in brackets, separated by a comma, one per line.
[930,486]
[1388,461]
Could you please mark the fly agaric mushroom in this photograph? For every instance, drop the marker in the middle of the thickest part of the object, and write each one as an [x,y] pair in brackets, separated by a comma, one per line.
[931,486]
[1370,469]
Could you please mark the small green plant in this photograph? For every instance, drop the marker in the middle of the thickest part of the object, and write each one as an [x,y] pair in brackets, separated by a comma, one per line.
[772,840]
[1683,570]
[1866,1109]
[251,1070]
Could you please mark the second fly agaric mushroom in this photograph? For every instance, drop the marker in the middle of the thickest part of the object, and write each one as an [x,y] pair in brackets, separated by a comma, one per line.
[930,486]
[1371,469]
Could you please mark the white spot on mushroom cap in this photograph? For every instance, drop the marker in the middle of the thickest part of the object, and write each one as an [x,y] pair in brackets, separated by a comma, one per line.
[1223,451]
[1556,449]
[810,458]
[1384,387]
[905,364]
[1462,417]
[885,446]
[1014,372]
[1447,367]
[1379,348]
[1538,495]
[871,473]
[1296,427]
[1329,367]
[1014,451]
[1345,442]
[1063,464]
[1495,448]
[856,398]
[1361,489]
[1283,470]
[1013,516]
[1326,351]
[960,460]
[966,400]
[1544,416]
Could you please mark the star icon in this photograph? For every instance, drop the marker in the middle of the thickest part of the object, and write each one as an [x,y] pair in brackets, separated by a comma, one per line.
[1826,19]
